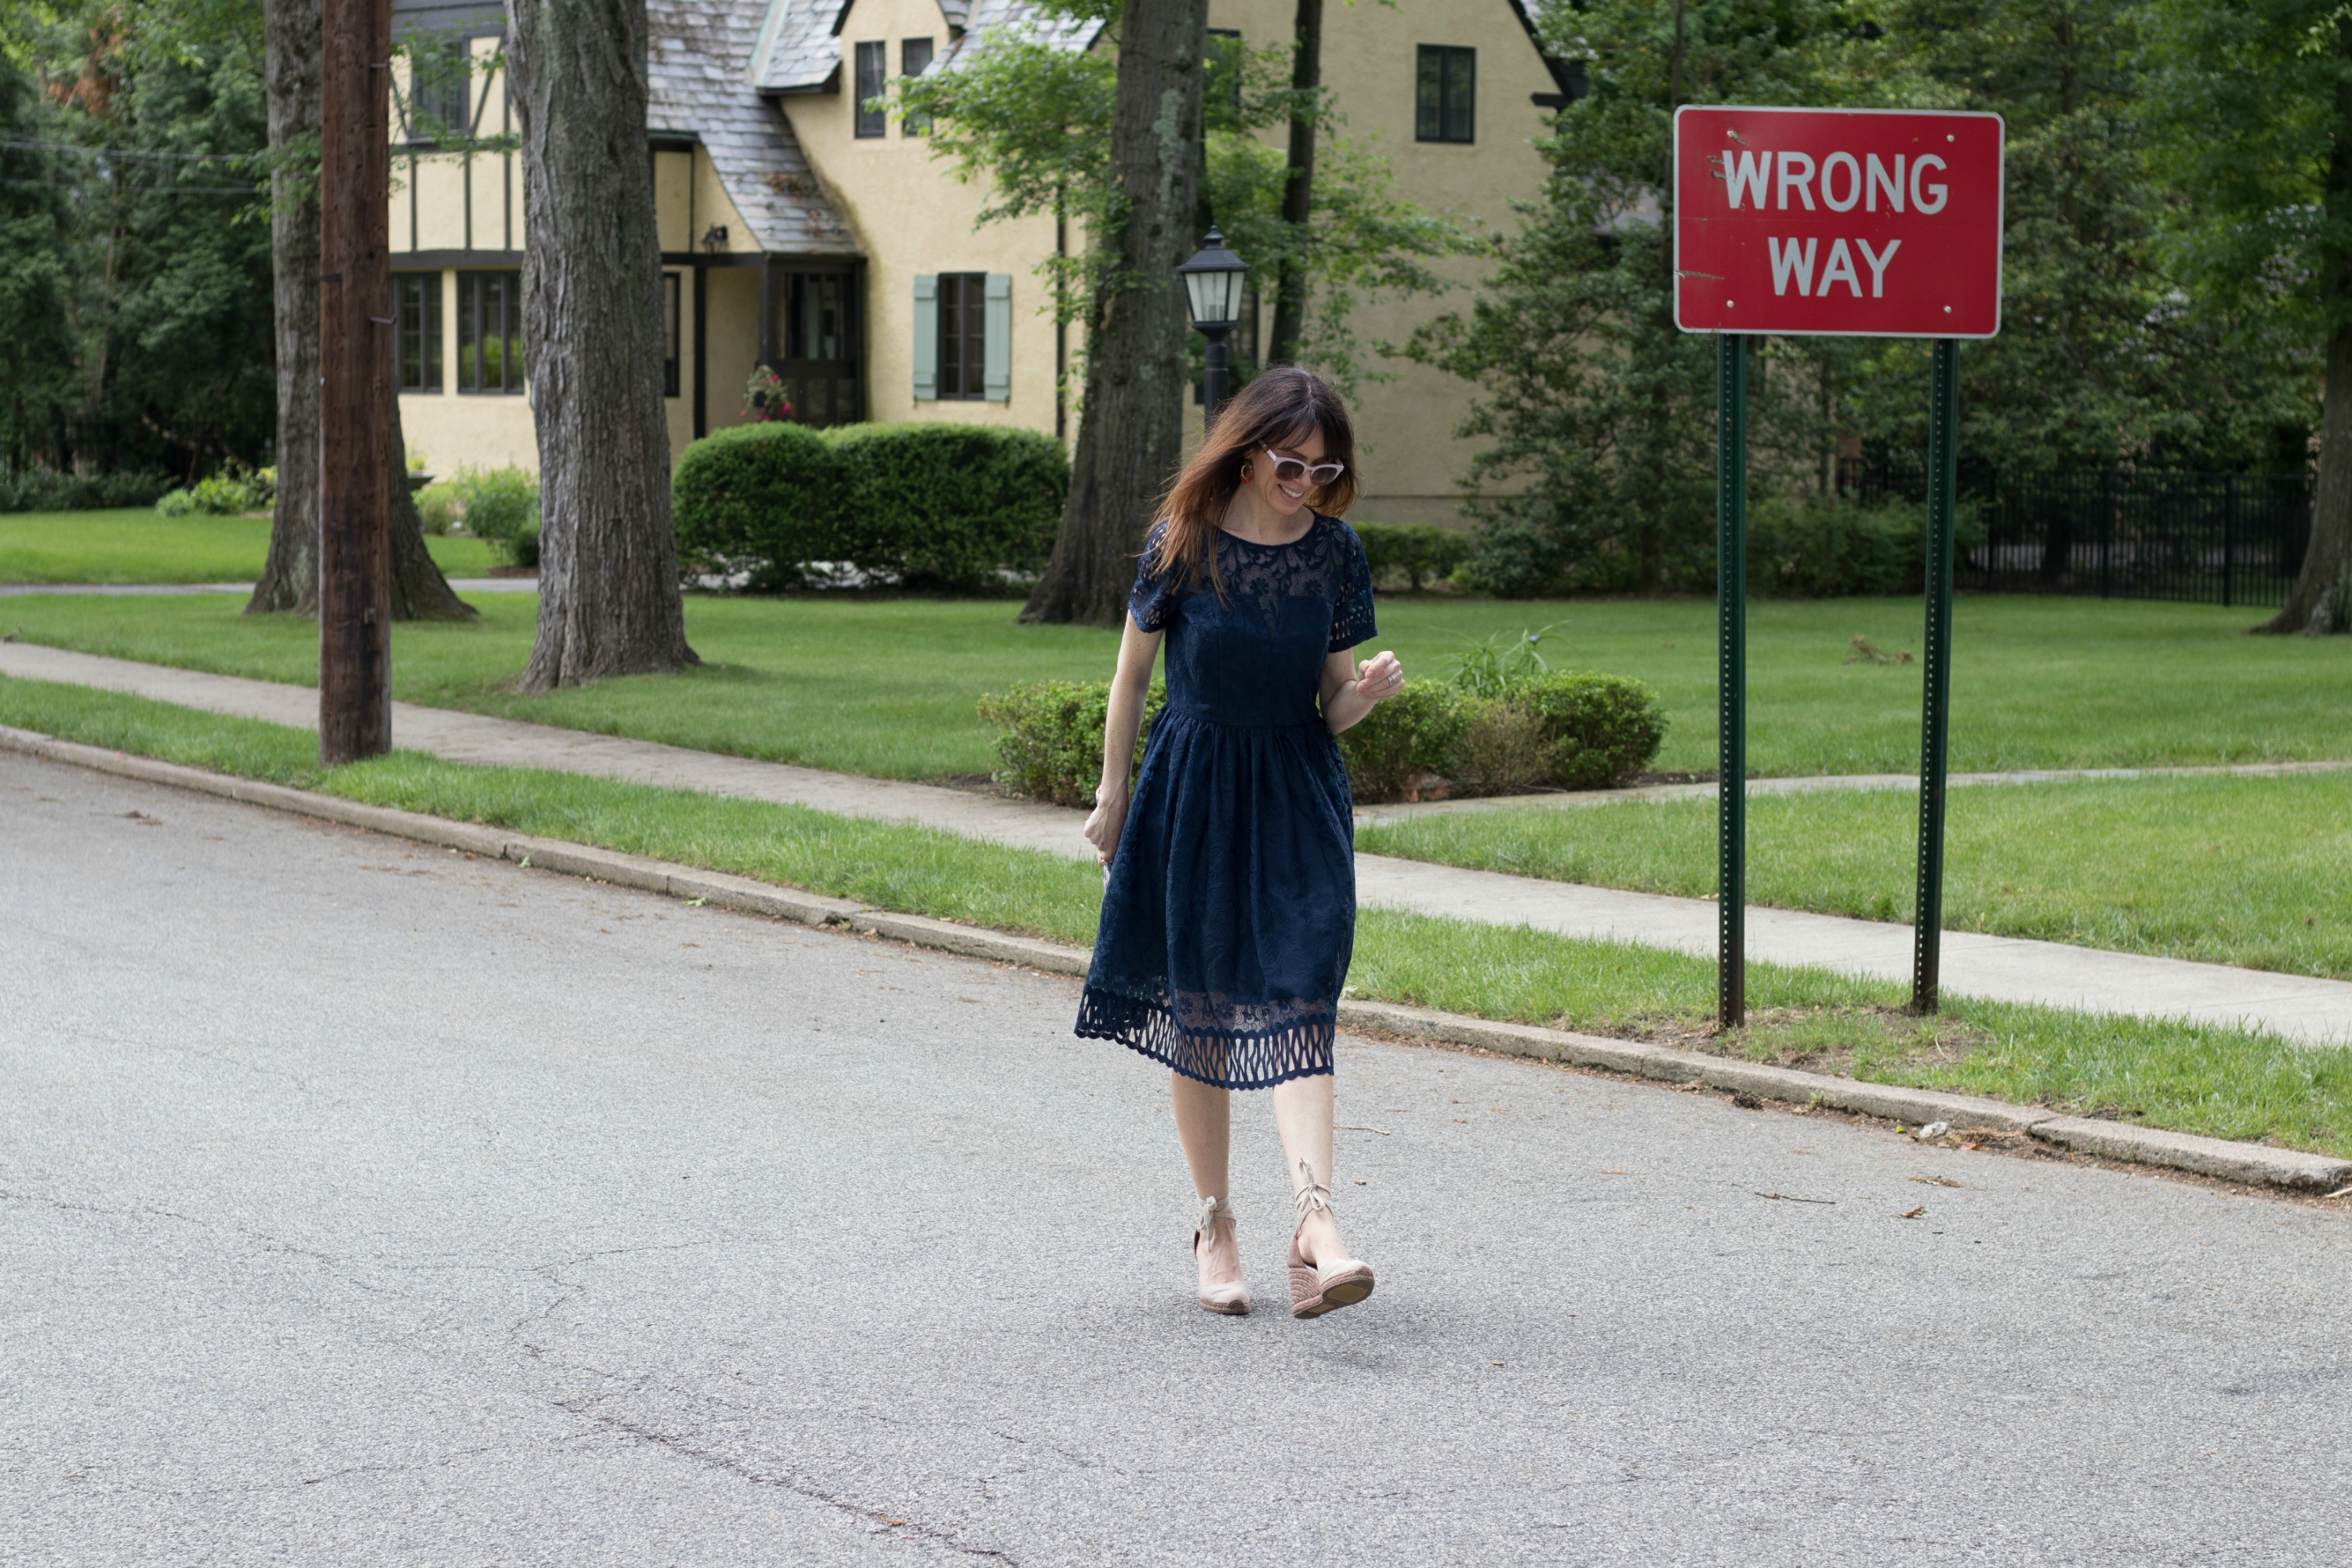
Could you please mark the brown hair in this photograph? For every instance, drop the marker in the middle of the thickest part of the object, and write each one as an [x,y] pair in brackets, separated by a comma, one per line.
[1276,409]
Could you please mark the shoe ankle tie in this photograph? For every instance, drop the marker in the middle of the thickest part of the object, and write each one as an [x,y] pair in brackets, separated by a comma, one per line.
[1312,1196]
[1212,1211]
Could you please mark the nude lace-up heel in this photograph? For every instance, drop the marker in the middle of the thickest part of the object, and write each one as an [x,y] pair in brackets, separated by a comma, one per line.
[1342,1282]
[1231,1299]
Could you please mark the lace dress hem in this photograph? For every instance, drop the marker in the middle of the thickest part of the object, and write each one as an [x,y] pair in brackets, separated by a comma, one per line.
[1300,1047]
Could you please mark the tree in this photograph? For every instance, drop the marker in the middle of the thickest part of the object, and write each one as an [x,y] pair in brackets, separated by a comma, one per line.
[609,601]
[1131,434]
[1596,408]
[1298,182]
[289,576]
[35,348]
[2256,99]
[2100,359]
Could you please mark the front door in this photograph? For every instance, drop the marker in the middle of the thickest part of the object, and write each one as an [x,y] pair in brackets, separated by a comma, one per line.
[817,347]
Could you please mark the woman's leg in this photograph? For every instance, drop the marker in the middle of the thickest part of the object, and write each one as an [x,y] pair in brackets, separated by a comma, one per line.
[1302,1113]
[1204,1124]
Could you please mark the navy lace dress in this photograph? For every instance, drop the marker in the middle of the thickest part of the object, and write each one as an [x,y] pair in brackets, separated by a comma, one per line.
[1230,911]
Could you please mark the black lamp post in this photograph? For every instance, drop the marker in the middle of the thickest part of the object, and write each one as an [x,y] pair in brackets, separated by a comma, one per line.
[1213,296]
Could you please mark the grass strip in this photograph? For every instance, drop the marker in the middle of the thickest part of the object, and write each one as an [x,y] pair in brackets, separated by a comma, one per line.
[2250,871]
[885,686]
[2190,1077]
[141,545]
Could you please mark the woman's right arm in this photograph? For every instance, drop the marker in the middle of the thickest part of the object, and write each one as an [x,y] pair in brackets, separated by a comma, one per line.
[1137,651]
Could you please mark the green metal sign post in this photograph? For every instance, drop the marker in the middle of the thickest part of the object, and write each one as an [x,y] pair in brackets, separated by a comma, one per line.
[1731,677]
[1935,704]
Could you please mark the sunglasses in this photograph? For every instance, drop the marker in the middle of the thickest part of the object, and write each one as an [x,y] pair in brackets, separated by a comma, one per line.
[1290,470]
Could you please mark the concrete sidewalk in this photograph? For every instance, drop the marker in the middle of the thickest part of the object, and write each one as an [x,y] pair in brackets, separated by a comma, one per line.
[2008,969]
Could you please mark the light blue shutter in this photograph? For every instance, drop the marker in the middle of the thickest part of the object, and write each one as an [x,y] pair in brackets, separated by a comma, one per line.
[998,359]
[926,337]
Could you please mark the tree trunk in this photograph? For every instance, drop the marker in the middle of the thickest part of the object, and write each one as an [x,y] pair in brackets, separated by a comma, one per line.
[2321,601]
[1298,187]
[419,591]
[1131,433]
[289,579]
[608,586]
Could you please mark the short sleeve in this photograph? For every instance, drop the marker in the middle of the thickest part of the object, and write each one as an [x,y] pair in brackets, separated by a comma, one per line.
[1156,591]
[1351,608]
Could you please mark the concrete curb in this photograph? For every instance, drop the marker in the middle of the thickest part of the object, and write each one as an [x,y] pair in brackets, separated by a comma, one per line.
[2251,1163]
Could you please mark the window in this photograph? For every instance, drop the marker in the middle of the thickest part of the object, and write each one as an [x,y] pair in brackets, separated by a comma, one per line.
[963,334]
[1222,93]
[914,60]
[871,119]
[489,331]
[1447,90]
[417,331]
[670,334]
[438,110]
[816,316]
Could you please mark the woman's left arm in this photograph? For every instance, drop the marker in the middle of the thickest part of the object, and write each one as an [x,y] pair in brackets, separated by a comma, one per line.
[1350,689]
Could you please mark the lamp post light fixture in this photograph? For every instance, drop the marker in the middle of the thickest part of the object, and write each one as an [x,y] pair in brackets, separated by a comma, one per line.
[1213,297]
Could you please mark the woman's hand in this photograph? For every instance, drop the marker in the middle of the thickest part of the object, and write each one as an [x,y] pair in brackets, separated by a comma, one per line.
[1103,823]
[1379,676]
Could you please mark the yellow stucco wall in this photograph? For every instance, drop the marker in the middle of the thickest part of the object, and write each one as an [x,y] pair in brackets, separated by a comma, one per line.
[911,216]
[1410,459]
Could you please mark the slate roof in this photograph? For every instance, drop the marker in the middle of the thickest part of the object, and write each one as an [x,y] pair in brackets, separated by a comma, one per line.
[800,49]
[702,89]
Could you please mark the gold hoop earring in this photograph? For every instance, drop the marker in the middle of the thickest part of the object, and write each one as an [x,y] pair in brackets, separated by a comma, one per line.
[1246,473]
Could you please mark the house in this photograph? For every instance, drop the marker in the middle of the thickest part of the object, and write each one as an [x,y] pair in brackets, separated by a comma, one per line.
[800,228]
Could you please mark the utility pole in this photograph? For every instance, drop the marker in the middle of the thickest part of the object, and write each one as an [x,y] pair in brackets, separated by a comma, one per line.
[354,382]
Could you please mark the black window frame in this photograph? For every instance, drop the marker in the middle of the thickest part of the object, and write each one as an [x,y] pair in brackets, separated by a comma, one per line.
[871,64]
[915,57]
[492,299]
[416,315]
[670,354]
[1444,99]
[962,337]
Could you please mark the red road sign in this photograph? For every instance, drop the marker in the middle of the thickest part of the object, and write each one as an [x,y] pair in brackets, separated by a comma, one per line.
[1850,222]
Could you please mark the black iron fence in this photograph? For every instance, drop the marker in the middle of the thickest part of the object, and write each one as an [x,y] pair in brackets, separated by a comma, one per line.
[2121,533]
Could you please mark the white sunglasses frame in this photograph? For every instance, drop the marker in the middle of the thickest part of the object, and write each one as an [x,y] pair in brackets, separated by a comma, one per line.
[1306,470]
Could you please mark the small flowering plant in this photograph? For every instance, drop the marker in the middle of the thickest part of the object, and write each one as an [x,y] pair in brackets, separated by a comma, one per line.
[763,396]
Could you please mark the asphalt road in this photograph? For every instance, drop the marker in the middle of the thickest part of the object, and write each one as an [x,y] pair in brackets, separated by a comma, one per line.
[362,1204]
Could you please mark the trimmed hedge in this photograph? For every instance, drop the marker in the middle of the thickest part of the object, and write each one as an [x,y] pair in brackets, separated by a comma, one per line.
[1052,744]
[921,505]
[34,490]
[1559,730]
[1410,555]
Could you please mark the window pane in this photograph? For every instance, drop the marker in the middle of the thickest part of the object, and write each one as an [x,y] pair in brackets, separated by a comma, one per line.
[1428,121]
[670,334]
[870,120]
[914,60]
[1461,93]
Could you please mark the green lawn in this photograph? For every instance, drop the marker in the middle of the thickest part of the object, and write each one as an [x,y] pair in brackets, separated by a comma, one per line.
[2200,1079]
[885,686]
[2251,871]
[139,546]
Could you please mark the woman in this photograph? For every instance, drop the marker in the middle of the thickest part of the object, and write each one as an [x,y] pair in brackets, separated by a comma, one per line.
[1229,906]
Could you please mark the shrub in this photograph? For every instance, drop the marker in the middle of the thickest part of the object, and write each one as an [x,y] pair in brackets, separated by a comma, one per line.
[929,505]
[1051,747]
[762,498]
[949,505]
[37,490]
[499,504]
[1596,730]
[1412,738]
[1411,554]
[235,489]
[1823,547]
[439,506]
